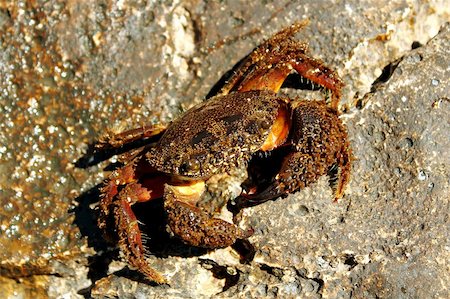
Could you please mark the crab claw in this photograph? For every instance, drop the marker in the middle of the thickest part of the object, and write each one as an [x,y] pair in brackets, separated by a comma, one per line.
[194,226]
[319,146]
[298,171]
[246,200]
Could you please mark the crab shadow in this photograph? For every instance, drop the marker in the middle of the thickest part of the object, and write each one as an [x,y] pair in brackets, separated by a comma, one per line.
[151,214]
[152,218]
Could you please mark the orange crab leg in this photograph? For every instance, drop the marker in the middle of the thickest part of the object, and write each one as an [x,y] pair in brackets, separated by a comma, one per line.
[121,139]
[272,76]
[265,57]
[121,191]
[317,72]
[155,186]
[264,79]
[268,66]
[129,235]
[130,240]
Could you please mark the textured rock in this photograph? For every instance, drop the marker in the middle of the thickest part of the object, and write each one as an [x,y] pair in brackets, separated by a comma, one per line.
[69,71]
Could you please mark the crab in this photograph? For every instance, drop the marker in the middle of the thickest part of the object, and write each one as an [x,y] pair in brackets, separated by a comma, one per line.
[247,117]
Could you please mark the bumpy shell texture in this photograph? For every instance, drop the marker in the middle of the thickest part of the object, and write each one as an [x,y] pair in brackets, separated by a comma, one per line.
[216,135]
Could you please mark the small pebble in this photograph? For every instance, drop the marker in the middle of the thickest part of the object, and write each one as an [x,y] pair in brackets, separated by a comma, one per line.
[422,176]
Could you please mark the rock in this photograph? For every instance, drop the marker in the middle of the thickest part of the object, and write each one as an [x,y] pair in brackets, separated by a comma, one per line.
[71,71]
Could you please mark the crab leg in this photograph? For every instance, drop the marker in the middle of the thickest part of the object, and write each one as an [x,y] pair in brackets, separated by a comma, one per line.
[120,192]
[194,226]
[130,238]
[343,171]
[317,72]
[297,172]
[263,58]
[267,67]
[117,140]
[124,176]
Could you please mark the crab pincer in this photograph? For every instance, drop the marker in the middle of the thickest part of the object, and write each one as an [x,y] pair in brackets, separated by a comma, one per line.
[317,146]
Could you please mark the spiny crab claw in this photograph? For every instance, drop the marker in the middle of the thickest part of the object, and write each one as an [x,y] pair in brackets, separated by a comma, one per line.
[193,225]
[313,123]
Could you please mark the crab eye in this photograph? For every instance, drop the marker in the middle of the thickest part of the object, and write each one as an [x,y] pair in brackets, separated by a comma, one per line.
[190,165]
[265,124]
[194,164]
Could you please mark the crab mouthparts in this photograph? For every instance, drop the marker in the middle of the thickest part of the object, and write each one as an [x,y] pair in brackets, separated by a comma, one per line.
[188,191]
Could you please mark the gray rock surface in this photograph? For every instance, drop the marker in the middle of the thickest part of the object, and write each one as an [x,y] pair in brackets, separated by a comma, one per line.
[69,71]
